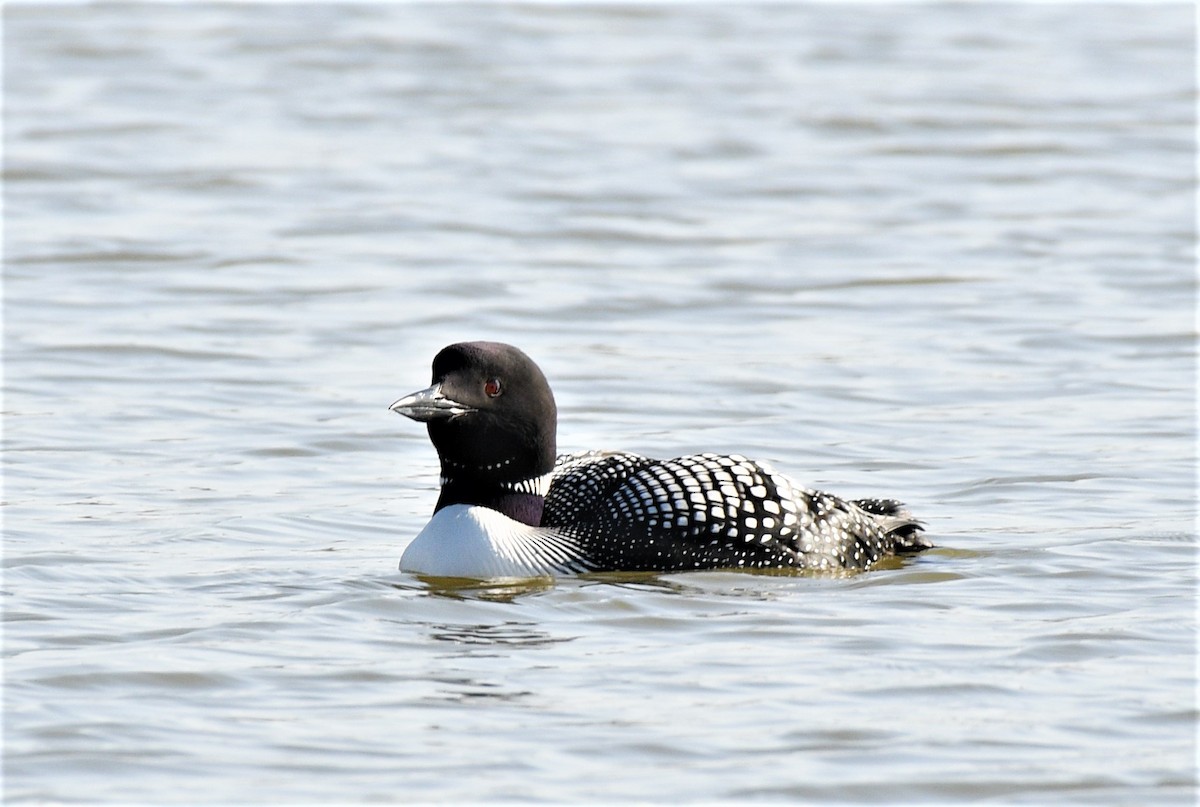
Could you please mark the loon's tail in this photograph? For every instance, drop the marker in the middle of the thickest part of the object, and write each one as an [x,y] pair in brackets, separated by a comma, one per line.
[898,523]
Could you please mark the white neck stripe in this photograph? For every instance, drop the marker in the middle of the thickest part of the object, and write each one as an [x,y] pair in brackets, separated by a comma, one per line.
[537,486]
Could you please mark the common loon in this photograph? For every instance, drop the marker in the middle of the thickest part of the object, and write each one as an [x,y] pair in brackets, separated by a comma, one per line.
[510,508]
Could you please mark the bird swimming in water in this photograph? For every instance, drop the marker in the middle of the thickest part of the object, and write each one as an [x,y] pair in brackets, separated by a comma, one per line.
[510,507]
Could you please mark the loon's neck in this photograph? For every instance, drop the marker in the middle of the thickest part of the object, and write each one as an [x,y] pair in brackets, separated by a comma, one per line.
[521,501]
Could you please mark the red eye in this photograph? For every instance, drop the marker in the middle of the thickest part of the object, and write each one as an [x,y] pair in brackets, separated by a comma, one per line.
[492,387]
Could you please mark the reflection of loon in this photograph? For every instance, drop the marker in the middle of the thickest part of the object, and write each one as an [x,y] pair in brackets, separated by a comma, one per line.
[508,508]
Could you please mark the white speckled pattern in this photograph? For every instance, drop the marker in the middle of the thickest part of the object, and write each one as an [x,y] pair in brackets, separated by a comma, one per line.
[708,510]
[617,510]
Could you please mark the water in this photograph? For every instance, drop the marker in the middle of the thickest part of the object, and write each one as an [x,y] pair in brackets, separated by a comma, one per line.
[937,252]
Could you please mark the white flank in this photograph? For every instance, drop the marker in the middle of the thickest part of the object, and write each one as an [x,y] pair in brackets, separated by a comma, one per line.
[479,543]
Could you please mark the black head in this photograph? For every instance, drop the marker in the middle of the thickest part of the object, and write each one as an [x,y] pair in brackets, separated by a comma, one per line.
[490,414]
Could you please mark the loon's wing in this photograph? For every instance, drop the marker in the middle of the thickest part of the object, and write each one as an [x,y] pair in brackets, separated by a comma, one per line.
[711,511]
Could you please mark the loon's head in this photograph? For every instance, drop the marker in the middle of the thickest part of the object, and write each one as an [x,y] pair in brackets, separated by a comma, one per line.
[491,417]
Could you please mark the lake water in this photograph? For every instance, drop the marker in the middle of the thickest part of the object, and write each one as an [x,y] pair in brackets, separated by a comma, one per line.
[938,252]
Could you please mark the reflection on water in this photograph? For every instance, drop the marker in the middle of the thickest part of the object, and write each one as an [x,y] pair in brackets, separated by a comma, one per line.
[505,633]
[490,590]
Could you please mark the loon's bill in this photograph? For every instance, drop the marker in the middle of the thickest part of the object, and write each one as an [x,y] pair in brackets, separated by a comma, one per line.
[510,507]
[429,404]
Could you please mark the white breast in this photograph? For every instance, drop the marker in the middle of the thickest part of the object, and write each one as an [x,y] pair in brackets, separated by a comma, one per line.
[479,543]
